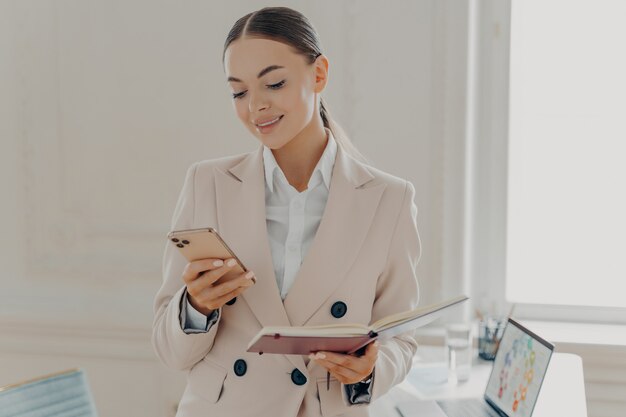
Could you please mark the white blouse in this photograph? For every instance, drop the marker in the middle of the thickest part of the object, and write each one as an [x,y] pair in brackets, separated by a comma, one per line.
[293,217]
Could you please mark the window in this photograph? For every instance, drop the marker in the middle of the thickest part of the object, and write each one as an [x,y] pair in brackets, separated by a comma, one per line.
[566,188]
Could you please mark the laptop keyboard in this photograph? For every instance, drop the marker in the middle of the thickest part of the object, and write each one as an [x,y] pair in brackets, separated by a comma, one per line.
[471,407]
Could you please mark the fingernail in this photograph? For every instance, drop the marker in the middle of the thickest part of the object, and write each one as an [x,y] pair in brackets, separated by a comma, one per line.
[218,263]
[311,356]
[320,355]
[377,343]
[231,262]
[250,274]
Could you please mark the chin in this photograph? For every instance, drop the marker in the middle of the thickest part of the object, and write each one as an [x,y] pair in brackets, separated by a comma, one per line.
[276,145]
[272,142]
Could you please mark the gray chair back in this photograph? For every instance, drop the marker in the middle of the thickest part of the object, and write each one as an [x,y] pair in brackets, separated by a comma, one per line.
[62,394]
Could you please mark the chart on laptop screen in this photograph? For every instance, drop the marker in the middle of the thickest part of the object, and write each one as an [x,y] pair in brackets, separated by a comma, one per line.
[521,363]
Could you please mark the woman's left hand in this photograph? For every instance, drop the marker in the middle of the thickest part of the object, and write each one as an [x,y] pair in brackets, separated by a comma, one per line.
[348,368]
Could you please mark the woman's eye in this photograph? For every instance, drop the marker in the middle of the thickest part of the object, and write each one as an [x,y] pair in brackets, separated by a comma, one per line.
[277,85]
[272,86]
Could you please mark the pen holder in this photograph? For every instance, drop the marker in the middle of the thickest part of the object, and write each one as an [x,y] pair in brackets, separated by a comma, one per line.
[490,330]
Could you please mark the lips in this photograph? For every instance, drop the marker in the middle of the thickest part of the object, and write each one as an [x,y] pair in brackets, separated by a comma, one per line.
[259,123]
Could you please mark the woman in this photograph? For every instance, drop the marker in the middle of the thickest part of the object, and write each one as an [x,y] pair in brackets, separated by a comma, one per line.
[328,238]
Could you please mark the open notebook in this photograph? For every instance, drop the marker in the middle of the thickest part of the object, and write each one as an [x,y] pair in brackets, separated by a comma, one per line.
[347,337]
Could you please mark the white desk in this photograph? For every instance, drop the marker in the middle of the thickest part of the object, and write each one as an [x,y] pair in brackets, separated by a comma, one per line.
[562,392]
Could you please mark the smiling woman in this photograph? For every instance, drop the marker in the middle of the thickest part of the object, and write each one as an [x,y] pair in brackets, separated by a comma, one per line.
[330,239]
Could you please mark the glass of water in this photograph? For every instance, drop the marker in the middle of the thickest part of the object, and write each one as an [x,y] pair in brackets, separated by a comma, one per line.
[459,351]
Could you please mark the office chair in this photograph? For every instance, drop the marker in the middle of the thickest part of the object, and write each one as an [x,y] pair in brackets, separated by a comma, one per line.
[62,394]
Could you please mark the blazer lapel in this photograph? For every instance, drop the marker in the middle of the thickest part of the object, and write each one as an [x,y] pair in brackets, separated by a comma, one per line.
[241,219]
[349,211]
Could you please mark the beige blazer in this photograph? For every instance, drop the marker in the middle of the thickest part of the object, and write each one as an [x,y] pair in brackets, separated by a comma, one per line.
[364,254]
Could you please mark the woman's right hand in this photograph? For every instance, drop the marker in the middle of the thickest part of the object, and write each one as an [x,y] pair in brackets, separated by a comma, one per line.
[203,294]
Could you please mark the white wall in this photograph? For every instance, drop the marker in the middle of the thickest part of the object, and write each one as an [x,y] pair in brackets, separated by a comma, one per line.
[105,104]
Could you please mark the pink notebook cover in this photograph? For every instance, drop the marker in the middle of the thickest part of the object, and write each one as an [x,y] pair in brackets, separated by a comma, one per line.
[303,345]
[300,345]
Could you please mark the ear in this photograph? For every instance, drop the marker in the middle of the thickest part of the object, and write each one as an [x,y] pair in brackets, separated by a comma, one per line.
[321,73]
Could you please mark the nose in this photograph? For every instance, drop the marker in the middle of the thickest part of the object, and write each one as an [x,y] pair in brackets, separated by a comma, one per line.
[257,103]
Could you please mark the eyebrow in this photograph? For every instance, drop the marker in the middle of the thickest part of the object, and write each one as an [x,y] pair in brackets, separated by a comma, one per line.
[260,74]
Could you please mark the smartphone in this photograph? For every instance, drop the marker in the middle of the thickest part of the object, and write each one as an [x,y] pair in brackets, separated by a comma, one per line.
[203,243]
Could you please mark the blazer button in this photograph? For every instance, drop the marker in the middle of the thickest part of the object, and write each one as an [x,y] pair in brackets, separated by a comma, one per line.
[338,309]
[231,302]
[240,367]
[297,377]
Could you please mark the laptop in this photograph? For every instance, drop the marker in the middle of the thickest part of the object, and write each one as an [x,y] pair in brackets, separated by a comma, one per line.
[518,371]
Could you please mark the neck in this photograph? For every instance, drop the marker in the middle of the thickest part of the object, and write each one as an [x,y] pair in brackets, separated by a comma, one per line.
[298,158]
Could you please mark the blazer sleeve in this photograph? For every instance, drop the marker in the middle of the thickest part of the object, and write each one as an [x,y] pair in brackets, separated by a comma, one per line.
[194,321]
[397,290]
[360,392]
[175,348]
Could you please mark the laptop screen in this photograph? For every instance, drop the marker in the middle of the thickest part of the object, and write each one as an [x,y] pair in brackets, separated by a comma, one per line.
[518,371]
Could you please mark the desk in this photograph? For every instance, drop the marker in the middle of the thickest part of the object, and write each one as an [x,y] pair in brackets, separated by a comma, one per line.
[562,392]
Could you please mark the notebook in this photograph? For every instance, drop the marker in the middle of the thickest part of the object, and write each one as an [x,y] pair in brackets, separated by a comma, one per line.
[514,383]
[345,337]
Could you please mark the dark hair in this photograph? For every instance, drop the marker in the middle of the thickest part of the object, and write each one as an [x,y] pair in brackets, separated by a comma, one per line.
[290,27]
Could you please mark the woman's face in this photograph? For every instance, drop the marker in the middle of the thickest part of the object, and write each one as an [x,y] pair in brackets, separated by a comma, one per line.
[269,81]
